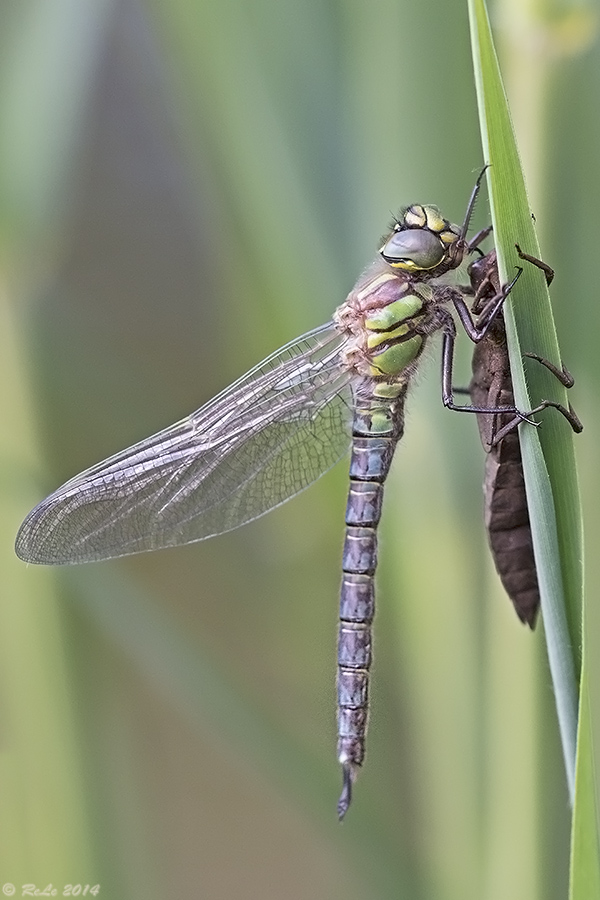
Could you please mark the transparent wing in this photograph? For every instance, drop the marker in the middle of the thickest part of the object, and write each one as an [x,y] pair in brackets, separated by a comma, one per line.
[256,444]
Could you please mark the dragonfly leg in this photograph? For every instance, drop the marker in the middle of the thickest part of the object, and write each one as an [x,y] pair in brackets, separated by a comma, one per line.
[569,414]
[461,246]
[471,205]
[565,378]
[449,340]
[479,238]
[563,374]
[546,269]
[477,330]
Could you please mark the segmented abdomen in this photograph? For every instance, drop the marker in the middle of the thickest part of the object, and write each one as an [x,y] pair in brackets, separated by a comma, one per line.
[378,426]
[509,529]
[506,513]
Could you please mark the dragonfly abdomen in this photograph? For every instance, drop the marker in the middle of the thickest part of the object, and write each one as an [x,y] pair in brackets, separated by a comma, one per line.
[506,511]
[509,529]
[378,425]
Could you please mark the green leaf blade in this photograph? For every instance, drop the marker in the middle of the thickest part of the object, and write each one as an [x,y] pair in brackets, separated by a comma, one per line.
[548,456]
[548,459]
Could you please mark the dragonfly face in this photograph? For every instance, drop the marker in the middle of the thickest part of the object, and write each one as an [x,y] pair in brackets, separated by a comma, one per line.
[271,434]
[421,242]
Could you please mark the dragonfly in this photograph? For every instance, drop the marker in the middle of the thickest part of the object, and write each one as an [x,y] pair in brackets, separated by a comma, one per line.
[506,512]
[279,428]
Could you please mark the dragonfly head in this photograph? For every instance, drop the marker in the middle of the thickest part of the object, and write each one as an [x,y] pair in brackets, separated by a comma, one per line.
[422,241]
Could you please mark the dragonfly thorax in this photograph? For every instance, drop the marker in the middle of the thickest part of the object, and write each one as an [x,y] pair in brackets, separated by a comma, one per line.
[385,318]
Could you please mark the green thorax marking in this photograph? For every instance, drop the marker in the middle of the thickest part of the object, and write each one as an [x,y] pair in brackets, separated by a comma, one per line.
[391,337]
[395,312]
[397,357]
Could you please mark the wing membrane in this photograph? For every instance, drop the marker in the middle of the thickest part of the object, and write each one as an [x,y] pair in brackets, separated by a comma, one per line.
[262,440]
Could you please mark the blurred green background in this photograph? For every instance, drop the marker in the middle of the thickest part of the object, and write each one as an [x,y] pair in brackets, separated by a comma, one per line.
[184,187]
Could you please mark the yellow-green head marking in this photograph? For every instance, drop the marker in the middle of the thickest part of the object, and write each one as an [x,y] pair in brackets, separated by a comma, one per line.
[420,241]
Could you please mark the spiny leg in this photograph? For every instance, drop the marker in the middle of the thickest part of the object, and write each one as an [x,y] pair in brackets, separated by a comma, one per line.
[471,205]
[565,378]
[449,341]
[546,269]
[477,330]
[477,239]
[563,374]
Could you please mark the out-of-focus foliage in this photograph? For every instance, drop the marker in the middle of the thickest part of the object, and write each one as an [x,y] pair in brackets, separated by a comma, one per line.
[185,186]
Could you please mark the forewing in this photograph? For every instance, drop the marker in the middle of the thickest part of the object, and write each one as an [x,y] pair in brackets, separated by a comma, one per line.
[255,445]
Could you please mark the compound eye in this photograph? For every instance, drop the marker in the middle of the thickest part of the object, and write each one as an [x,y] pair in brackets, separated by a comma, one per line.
[414,249]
